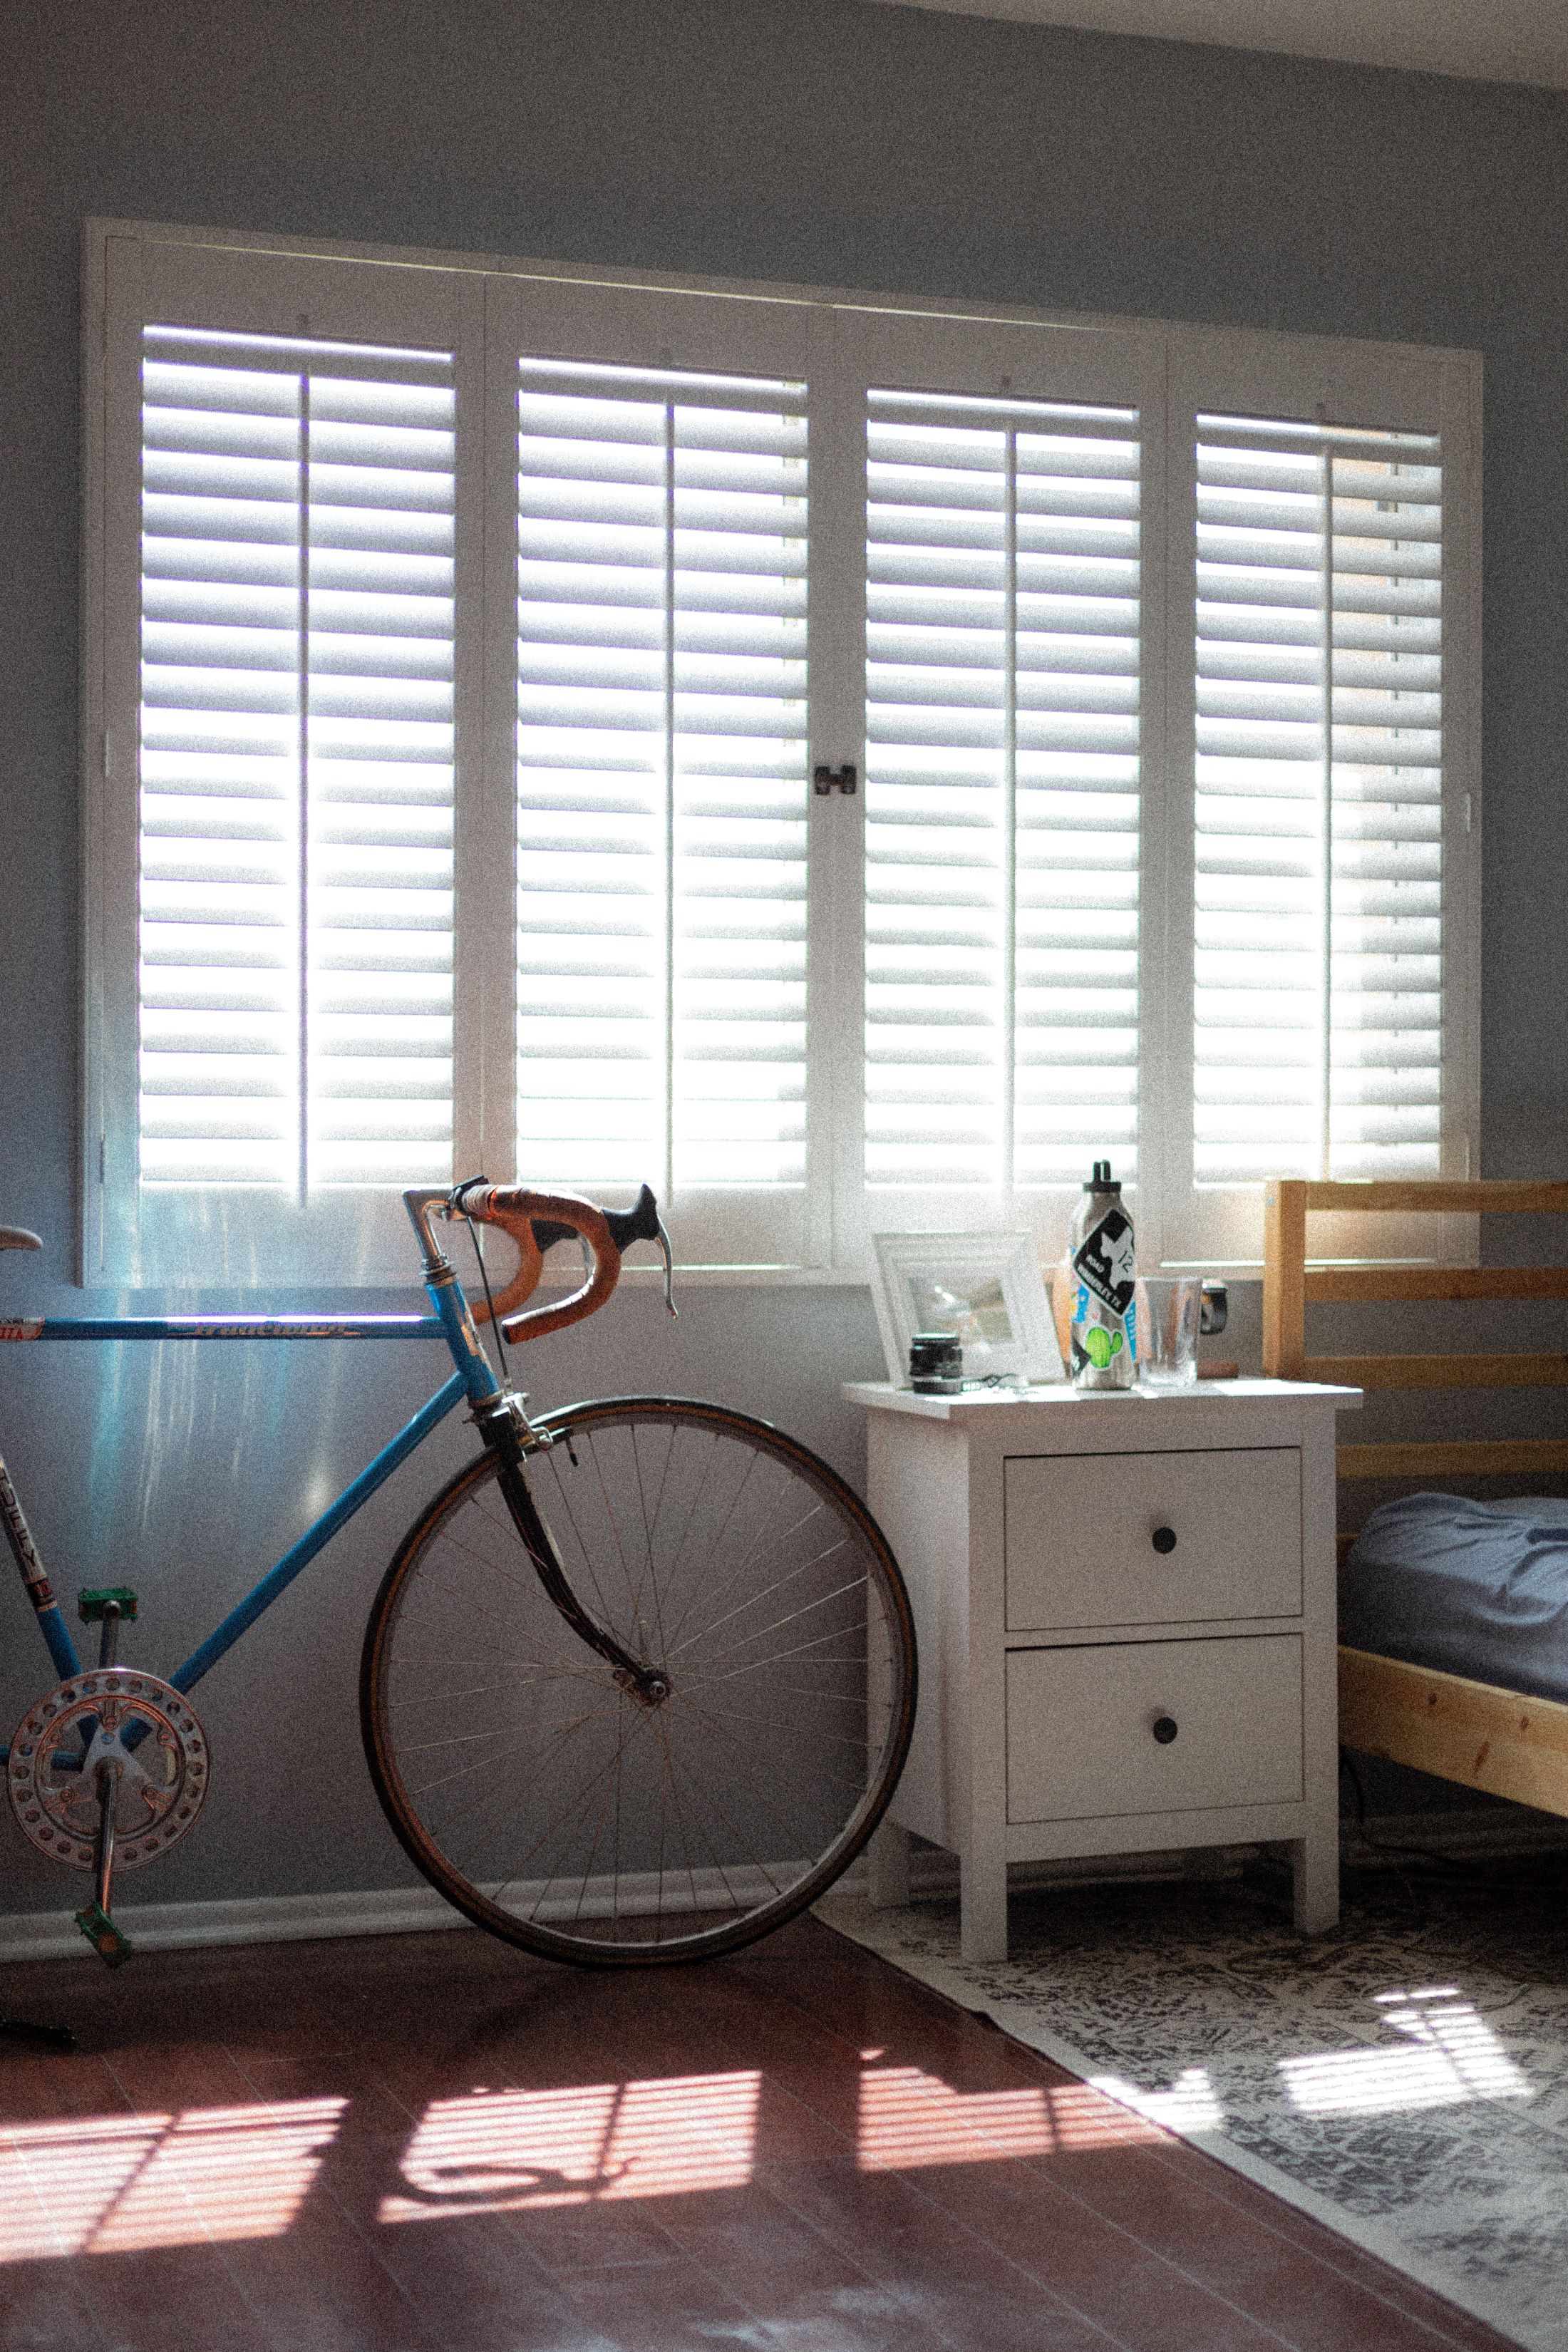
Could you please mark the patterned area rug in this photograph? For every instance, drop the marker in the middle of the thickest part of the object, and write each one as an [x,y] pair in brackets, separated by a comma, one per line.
[1404,2079]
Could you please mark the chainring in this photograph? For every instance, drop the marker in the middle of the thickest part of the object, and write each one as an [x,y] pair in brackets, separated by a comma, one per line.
[112,1715]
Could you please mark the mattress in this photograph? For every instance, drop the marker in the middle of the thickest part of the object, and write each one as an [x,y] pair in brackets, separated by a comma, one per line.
[1476,1588]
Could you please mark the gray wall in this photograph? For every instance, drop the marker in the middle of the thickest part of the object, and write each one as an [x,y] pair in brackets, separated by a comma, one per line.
[809,140]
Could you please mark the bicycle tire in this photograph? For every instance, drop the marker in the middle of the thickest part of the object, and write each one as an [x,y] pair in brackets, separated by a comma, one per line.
[676,1522]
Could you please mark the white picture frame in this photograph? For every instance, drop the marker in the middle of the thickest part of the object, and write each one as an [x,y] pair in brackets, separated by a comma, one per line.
[986,1289]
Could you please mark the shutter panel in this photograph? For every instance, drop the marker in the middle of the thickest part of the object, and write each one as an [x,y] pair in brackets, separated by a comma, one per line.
[1002,807]
[1318,996]
[661,778]
[296,934]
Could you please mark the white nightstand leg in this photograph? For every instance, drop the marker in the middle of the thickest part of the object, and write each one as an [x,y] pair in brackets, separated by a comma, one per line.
[887,1867]
[982,1908]
[1315,1866]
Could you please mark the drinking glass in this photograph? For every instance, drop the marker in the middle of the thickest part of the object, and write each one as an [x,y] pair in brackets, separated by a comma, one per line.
[1168,1309]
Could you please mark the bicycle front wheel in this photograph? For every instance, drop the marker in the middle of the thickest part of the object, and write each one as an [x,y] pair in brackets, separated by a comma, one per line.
[576,1816]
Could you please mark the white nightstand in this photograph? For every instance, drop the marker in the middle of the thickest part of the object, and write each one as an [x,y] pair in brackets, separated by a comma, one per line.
[1125,1607]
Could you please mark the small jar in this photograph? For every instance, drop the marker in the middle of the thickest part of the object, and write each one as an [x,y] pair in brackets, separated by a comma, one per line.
[936,1364]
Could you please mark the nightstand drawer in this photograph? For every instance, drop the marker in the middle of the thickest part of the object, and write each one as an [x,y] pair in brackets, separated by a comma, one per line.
[1151,1538]
[1153,1728]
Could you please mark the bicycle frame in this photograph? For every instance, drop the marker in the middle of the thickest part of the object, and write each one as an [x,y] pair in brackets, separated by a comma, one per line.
[472,1379]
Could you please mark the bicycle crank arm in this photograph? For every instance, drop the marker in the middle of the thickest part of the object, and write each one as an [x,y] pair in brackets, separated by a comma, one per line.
[107,1940]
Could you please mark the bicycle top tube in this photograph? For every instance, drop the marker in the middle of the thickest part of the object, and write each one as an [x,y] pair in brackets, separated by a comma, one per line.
[224,1327]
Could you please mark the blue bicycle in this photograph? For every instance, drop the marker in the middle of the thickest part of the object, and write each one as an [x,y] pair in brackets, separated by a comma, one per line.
[638,1684]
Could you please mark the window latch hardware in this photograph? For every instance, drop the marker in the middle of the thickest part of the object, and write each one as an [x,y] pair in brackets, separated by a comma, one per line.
[834,779]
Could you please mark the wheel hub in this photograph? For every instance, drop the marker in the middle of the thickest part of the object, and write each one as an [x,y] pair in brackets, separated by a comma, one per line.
[144,1731]
[647,1687]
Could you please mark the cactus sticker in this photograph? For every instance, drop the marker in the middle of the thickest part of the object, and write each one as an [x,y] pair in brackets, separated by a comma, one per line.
[1102,1346]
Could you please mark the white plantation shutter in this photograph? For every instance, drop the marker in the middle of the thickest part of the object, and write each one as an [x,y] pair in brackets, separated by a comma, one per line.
[296,918]
[1319,945]
[661,779]
[1002,792]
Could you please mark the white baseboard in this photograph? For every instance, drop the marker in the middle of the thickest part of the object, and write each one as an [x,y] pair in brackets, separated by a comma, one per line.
[1467,1834]
[248,1919]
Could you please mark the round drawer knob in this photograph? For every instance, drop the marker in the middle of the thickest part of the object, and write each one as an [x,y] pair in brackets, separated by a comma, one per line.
[1163,1539]
[1164,1729]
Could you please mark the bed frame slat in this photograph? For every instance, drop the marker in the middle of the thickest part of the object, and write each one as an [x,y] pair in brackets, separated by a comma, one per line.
[1392,1282]
[1463,1198]
[1485,1457]
[1506,1742]
[1516,1372]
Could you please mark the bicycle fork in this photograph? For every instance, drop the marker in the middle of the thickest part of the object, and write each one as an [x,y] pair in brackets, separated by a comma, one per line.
[645,1683]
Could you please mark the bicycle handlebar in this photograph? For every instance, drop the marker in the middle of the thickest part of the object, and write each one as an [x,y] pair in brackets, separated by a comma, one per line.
[536,1221]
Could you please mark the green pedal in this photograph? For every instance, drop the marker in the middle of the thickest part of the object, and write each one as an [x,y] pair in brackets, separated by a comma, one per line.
[103,1934]
[93,1603]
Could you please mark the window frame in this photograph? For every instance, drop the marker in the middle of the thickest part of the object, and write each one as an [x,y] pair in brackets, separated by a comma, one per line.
[839,337]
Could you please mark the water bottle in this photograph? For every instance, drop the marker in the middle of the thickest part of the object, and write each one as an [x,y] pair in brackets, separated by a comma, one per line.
[1104,1322]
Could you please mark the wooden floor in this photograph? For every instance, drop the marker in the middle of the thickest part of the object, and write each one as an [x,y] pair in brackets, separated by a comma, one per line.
[427,2141]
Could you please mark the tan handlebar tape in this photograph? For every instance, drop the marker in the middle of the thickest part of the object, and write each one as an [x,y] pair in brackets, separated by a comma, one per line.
[514,1210]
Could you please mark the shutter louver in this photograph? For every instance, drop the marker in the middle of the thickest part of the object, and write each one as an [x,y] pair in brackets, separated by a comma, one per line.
[1002,807]
[1317,986]
[296,928]
[661,778]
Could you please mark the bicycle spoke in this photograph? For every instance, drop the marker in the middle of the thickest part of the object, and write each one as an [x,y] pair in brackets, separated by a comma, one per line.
[484,1690]
[648,1528]
[755,1599]
[819,1692]
[565,1733]
[723,1527]
[823,1600]
[817,1733]
[706,1797]
[612,1788]
[524,1583]
[763,1534]
[768,1806]
[764,1666]
[460,1739]
[712,1851]
[573,1803]
[558,1817]
[620,1549]
[567,1659]
[686,1841]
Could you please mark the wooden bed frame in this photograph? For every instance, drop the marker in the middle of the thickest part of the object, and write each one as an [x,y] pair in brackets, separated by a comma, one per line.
[1506,1742]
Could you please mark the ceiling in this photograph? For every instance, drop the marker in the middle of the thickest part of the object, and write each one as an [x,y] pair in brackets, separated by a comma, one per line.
[1488,41]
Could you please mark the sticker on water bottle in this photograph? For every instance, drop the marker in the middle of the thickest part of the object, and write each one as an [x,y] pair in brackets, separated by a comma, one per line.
[1104,1263]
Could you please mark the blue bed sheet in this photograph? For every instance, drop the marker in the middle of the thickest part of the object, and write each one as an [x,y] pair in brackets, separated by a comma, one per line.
[1476,1588]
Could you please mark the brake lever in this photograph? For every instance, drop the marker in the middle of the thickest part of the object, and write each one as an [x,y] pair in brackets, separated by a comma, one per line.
[663,1240]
